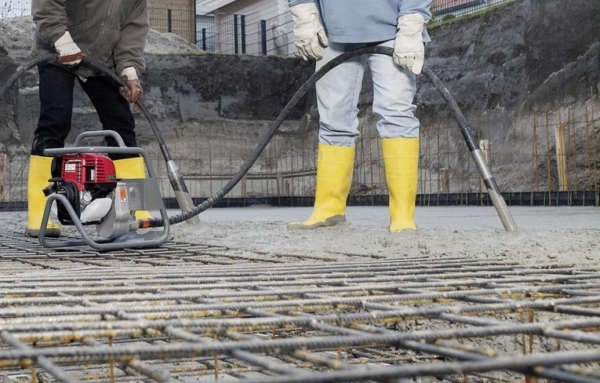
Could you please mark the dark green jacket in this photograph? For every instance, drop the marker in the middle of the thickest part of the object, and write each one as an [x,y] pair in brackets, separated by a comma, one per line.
[111,31]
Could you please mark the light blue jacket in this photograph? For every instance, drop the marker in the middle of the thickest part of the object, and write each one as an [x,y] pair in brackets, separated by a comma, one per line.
[366,21]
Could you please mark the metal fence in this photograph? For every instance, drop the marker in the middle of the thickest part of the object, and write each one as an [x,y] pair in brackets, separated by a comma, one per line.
[181,23]
[246,33]
[14,8]
[448,9]
[243,34]
[556,165]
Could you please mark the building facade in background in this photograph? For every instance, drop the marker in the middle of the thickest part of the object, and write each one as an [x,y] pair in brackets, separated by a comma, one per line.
[265,27]
[174,16]
[239,26]
[261,27]
[245,26]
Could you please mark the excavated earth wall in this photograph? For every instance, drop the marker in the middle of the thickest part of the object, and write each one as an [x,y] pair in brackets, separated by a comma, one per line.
[212,109]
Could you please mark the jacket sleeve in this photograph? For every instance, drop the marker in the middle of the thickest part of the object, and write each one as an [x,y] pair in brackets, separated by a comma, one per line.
[408,7]
[291,3]
[129,51]
[50,18]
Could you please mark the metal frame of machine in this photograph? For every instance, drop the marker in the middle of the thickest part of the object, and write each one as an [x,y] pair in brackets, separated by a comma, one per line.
[122,237]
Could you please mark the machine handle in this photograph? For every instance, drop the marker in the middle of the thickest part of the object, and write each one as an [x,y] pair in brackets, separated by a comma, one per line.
[100,133]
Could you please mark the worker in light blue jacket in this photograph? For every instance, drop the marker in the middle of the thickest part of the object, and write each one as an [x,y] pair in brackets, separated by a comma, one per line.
[324,29]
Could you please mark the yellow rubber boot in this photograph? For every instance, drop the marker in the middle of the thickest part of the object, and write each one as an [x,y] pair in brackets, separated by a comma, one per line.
[133,168]
[401,160]
[37,181]
[334,178]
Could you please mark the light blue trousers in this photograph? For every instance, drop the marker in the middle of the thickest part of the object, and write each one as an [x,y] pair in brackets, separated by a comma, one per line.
[338,92]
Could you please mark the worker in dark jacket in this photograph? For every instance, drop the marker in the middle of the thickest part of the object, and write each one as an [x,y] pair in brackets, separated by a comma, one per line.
[323,30]
[110,31]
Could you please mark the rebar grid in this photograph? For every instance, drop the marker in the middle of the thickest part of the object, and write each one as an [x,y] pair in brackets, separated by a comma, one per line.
[79,315]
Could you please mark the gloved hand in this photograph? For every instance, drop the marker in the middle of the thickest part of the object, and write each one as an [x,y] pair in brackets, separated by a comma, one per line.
[308,31]
[409,50]
[68,52]
[135,91]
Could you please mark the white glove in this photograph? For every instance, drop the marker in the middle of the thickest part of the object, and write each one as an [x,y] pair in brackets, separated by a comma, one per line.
[135,91]
[68,52]
[308,31]
[409,50]
[129,73]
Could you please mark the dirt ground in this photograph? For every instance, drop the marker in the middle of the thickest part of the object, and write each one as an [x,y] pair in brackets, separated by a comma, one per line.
[546,235]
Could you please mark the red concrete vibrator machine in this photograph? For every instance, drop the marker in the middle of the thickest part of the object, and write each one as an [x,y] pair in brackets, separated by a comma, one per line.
[86,190]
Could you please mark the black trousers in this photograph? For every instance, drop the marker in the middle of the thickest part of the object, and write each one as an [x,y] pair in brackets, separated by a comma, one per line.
[56,109]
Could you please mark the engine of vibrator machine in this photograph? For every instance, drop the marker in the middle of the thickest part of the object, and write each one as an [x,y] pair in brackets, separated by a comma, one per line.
[89,183]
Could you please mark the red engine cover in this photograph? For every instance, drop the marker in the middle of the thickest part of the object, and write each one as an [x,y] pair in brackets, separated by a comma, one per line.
[85,169]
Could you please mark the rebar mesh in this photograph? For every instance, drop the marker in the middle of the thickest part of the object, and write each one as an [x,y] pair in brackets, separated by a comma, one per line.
[188,312]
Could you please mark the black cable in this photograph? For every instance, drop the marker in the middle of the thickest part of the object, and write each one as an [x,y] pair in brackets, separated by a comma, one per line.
[95,65]
[21,70]
[157,222]
[179,185]
[175,177]
[490,182]
[309,84]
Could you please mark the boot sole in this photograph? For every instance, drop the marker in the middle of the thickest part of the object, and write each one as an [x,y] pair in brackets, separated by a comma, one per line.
[403,229]
[35,233]
[331,221]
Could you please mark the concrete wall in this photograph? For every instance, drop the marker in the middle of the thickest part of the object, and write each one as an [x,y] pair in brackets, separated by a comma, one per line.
[214,109]
[506,68]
